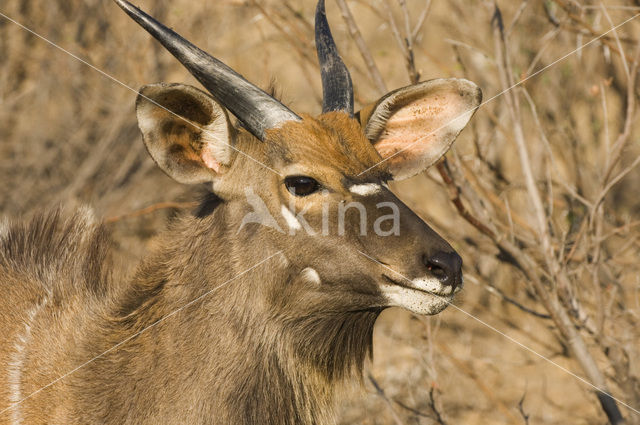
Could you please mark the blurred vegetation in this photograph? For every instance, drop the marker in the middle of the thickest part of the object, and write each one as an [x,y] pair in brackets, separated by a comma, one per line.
[540,193]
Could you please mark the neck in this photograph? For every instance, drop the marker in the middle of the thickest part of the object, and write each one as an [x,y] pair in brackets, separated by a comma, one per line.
[296,368]
[256,361]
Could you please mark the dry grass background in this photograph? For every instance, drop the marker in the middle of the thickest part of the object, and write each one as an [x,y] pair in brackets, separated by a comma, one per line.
[565,240]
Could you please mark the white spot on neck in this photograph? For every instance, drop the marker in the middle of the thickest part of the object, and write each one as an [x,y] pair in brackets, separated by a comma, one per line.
[291,220]
[365,189]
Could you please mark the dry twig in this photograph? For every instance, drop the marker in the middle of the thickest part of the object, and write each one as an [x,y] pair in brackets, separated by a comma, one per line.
[374,72]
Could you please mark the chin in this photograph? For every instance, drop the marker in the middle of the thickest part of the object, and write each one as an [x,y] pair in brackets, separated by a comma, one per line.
[428,307]
[416,301]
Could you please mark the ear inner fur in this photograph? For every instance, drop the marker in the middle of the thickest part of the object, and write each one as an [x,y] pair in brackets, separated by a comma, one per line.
[414,126]
[186,132]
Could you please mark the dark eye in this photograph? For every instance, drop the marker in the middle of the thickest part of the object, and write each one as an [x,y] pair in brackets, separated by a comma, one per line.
[301,185]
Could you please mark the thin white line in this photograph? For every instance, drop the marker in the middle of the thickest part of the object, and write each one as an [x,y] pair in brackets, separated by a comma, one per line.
[634,8]
[503,92]
[509,338]
[139,332]
[130,88]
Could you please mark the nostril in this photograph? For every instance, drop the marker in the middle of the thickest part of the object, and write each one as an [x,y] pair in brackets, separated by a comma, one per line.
[436,270]
[446,267]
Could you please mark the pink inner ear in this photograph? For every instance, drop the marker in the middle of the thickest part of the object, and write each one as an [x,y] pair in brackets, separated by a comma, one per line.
[422,131]
[210,161]
[410,128]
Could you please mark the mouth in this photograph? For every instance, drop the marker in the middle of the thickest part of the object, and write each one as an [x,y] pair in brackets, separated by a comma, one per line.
[445,295]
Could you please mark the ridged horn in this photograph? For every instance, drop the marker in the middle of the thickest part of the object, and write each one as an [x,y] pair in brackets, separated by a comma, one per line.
[337,88]
[257,110]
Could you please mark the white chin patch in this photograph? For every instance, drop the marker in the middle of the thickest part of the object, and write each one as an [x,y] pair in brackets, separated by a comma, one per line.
[429,296]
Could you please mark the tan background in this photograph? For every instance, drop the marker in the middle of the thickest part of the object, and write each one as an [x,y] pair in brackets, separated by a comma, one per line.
[68,135]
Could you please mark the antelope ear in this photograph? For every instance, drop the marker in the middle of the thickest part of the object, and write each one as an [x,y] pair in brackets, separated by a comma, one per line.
[415,126]
[187,133]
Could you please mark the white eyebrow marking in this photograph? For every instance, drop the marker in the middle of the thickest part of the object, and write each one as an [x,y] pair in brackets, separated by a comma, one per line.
[290,218]
[365,189]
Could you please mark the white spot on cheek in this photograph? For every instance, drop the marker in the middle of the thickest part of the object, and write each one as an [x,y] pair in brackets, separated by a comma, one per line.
[311,275]
[292,222]
[365,189]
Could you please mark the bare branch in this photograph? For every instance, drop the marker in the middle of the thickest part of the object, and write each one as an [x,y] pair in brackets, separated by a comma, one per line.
[421,20]
[374,72]
[381,393]
[497,291]
[588,27]
[517,16]
[525,416]
[507,81]
[618,43]
[623,138]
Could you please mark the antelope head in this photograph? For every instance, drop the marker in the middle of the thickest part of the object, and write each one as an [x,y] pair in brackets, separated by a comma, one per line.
[314,187]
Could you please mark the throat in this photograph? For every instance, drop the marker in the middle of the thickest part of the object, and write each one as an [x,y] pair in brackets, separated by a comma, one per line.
[335,344]
[294,382]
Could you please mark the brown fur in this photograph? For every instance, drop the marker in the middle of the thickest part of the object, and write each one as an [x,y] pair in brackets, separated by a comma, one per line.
[220,324]
[220,360]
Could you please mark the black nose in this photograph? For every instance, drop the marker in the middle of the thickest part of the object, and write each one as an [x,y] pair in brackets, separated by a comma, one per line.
[447,267]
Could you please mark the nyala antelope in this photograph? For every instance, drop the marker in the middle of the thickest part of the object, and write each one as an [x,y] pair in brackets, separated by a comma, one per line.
[232,322]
